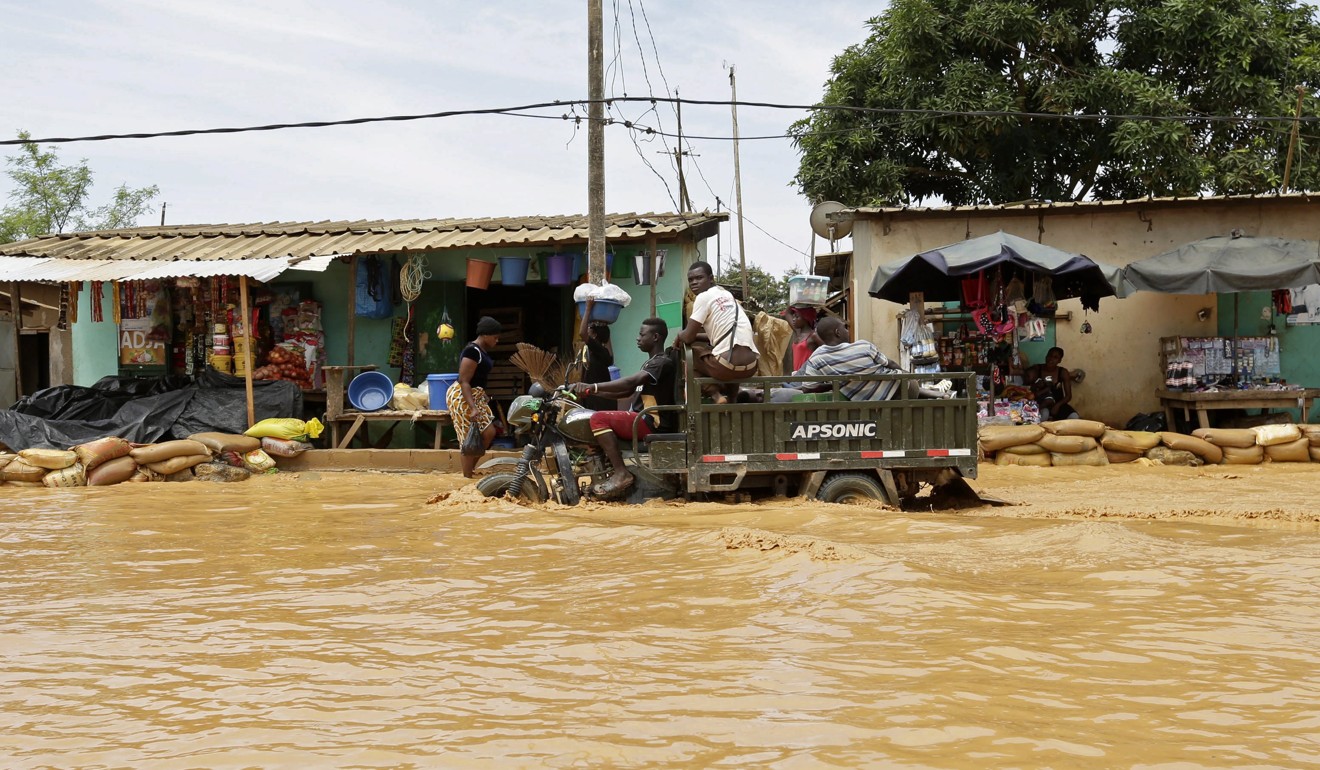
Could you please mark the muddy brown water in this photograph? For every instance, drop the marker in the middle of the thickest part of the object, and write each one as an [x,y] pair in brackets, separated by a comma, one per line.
[1161,619]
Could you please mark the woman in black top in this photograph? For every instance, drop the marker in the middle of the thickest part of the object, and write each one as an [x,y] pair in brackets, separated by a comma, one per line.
[598,357]
[466,399]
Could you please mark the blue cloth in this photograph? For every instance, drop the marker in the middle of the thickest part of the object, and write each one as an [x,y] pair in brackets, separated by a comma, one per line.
[851,358]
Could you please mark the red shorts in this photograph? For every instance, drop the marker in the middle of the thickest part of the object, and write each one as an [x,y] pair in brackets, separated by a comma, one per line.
[621,423]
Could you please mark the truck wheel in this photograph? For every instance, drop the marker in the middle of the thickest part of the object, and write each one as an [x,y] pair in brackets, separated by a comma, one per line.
[496,484]
[850,488]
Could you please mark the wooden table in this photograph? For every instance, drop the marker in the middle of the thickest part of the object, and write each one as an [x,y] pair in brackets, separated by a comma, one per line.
[1203,402]
[339,415]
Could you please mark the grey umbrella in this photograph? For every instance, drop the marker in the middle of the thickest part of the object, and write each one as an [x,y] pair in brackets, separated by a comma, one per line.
[1225,263]
[938,273]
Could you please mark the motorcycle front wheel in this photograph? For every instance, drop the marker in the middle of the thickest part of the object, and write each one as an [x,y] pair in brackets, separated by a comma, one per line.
[569,493]
[496,484]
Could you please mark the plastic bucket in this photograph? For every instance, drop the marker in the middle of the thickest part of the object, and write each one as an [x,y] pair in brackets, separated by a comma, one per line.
[615,373]
[642,268]
[559,269]
[479,272]
[438,385]
[370,391]
[513,270]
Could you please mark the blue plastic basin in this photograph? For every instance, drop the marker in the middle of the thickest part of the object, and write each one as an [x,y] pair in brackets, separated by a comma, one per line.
[606,310]
[370,391]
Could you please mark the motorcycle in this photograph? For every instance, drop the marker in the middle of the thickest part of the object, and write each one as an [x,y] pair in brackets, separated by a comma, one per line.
[560,450]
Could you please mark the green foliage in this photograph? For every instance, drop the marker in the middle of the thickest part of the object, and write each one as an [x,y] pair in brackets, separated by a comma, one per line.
[1065,57]
[49,197]
[767,292]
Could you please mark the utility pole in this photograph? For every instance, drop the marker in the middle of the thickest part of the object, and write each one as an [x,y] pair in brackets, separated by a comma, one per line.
[684,200]
[737,185]
[595,144]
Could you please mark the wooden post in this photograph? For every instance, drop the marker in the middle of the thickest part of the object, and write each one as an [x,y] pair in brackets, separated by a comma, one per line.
[352,307]
[16,306]
[737,184]
[595,144]
[250,334]
[655,269]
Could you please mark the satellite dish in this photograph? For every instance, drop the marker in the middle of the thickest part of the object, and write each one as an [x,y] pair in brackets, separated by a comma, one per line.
[824,228]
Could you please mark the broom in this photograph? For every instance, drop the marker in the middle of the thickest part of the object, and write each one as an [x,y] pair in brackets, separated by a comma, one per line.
[542,366]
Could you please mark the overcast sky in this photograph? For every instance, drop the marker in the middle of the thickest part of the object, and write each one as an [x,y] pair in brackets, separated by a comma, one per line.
[118,66]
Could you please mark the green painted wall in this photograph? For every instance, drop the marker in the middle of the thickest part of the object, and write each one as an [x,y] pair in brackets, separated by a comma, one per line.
[95,345]
[1298,345]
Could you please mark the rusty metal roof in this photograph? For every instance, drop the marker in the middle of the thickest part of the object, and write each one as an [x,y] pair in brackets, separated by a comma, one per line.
[302,240]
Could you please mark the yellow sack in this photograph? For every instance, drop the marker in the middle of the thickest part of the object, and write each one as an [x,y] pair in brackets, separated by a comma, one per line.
[1239,438]
[1090,428]
[1136,442]
[1116,457]
[1035,461]
[1093,456]
[1067,444]
[286,427]
[1269,435]
[1197,446]
[1292,452]
[997,437]
[1234,455]
[72,476]
[50,459]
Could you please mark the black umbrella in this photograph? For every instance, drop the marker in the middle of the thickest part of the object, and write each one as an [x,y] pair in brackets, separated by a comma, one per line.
[938,273]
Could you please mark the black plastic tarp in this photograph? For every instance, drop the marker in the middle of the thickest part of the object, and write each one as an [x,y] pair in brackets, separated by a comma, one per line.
[143,409]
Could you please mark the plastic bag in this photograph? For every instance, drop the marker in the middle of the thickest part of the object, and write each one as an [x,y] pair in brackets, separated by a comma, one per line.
[472,443]
[278,447]
[258,461]
[606,290]
[286,427]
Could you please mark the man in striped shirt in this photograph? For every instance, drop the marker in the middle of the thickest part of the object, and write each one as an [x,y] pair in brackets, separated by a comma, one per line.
[840,358]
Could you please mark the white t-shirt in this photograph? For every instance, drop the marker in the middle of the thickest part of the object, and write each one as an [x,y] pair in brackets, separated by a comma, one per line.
[715,309]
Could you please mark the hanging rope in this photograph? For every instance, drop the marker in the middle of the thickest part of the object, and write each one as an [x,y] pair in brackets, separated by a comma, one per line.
[411,276]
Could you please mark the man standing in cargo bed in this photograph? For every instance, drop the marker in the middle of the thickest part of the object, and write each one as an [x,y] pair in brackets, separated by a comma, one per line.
[720,335]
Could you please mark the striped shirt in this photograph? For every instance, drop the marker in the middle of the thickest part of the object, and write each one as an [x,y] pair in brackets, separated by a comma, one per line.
[848,358]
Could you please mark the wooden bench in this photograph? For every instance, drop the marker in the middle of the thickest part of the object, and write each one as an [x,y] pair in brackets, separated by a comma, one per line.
[341,418]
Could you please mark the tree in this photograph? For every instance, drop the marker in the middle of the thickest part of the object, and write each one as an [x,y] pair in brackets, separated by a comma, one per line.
[768,293]
[49,197]
[1241,58]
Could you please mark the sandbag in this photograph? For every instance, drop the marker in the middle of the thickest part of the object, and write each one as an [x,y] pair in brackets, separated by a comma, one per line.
[1312,433]
[1136,442]
[173,465]
[112,472]
[996,437]
[286,427]
[214,471]
[1031,461]
[1197,446]
[50,459]
[1269,435]
[1315,453]
[279,447]
[5,458]
[36,484]
[19,469]
[1252,455]
[1166,456]
[72,476]
[184,475]
[1239,438]
[1026,449]
[144,475]
[1297,451]
[226,442]
[258,461]
[1067,444]
[1116,457]
[93,453]
[1093,456]
[168,450]
[1091,428]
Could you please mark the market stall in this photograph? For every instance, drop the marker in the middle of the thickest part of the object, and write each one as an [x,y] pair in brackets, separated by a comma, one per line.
[1204,374]
[997,290]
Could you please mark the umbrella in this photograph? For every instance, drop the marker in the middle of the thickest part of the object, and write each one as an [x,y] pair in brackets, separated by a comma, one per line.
[938,273]
[1226,264]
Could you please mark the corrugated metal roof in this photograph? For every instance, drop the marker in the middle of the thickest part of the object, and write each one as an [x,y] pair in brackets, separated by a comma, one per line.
[61,269]
[271,240]
[865,212]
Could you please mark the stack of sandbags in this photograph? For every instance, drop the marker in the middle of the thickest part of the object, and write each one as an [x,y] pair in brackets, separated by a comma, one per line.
[1283,443]
[1238,444]
[1125,446]
[1074,442]
[1312,433]
[1013,445]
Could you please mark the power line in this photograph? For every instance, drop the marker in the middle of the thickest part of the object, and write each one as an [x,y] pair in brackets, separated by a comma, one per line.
[572,103]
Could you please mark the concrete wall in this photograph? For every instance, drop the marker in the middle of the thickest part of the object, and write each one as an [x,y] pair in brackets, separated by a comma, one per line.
[1121,356]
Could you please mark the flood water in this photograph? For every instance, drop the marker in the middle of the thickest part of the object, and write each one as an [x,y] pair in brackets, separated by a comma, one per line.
[340,621]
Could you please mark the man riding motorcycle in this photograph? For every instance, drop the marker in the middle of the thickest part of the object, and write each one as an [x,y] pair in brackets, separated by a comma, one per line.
[653,385]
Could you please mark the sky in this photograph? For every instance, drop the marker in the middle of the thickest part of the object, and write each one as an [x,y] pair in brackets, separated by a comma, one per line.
[80,67]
